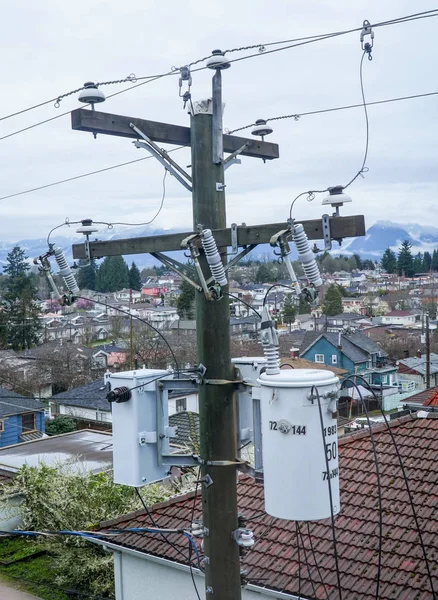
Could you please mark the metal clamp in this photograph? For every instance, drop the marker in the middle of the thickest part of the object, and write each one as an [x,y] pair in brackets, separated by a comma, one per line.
[326,232]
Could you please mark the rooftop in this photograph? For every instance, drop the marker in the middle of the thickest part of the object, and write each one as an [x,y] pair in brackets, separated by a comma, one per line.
[91,449]
[90,395]
[286,552]
[12,403]
[418,364]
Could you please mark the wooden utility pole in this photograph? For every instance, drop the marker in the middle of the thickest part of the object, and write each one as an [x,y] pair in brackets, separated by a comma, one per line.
[217,426]
[216,392]
[426,320]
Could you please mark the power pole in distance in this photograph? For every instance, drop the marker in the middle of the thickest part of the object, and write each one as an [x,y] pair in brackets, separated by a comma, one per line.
[216,394]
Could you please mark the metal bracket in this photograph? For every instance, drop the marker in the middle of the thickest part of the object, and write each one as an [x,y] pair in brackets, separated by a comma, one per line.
[234,244]
[163,157]
[234,161]
[177,267]
[207,481]
[192,243]
[326,232]
[220,186]
[232,156]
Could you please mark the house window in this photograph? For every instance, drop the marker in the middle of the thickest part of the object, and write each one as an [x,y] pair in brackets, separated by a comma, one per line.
[319,358]
[2,426]
[181,404]
[28,422]
[384,379]
[334,359]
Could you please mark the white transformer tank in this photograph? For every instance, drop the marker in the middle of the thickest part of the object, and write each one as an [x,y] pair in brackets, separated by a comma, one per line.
[135,435]
[249,369]
[296,480]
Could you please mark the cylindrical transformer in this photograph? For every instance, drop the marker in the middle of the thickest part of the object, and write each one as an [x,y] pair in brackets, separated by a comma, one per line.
[249,368]
[296,479]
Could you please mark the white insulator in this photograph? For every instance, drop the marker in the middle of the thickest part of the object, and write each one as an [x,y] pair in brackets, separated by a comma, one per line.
[213,257]
[306,255]
[65,271]
[269,339]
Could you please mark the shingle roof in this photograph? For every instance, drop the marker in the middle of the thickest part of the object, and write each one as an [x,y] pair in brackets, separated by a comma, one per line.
[188,430]
[356,346]
[274,562]
[12,403]
[90,395]
[421,397]
[414,363]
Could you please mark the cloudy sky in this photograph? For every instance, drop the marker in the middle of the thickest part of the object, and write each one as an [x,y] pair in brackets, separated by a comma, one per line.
[51,47]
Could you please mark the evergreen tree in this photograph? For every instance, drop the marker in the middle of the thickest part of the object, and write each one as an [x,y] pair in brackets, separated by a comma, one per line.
[333,301]
[20,309]
[434,265]
[289,310]
[265,274]
[303,307]
[113,275]
[86,275]
[186,301]
[389,261]
[135,278]
[418,263]
[427,262]
[405,263]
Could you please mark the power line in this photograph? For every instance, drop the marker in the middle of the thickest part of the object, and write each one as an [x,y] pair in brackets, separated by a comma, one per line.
[68,179]
[149,79]
[298,116]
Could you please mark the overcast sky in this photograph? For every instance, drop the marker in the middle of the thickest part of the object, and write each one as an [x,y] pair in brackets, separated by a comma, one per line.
[51,47]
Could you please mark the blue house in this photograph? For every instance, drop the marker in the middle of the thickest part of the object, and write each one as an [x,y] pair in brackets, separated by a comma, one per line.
[21,419]
[354,352]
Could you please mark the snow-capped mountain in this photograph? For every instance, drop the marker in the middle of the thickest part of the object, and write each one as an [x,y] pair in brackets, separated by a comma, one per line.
[386,234]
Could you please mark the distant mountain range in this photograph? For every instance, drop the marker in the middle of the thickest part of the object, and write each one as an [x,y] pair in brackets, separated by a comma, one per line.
[381,235]
[386,234]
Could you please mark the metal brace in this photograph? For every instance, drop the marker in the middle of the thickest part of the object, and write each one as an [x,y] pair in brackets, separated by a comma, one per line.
[176,266]
[326,232]
[232,160]
[163,157]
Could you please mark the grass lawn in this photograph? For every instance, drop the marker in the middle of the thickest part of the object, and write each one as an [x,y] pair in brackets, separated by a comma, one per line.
[34,575]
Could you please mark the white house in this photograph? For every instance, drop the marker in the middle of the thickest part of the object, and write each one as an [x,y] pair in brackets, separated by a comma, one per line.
[401,317]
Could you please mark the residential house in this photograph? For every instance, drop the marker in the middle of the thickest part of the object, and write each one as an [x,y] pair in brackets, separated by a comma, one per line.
[290,560]
[353,305]
[246,328]
[126,295]
[21,418]
[345,320]
[354,352]
[414,369]
[405,318]
[86,402]
[109,355]
[187,431]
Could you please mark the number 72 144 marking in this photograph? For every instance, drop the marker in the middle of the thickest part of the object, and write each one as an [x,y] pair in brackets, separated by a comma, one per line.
[285,427]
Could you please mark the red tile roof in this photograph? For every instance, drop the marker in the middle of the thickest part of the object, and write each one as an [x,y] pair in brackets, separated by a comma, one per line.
[273,561]
[433,398]
[422,397]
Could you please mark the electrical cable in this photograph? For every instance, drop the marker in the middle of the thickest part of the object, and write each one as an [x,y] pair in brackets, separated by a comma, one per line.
[125,312]
[274,286]
[297,116]
[299,559]
[379,487]
[175,70]
[311,193]
[309,535]
[158,211]
[298,528]
[48,185]
[366,384]
[151,518]
[363,168]
[315,391]
[190,525]
[243,302]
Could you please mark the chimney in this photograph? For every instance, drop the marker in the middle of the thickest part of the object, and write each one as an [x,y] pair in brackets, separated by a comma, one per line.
[294,352]
[418,354]
[406,353]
